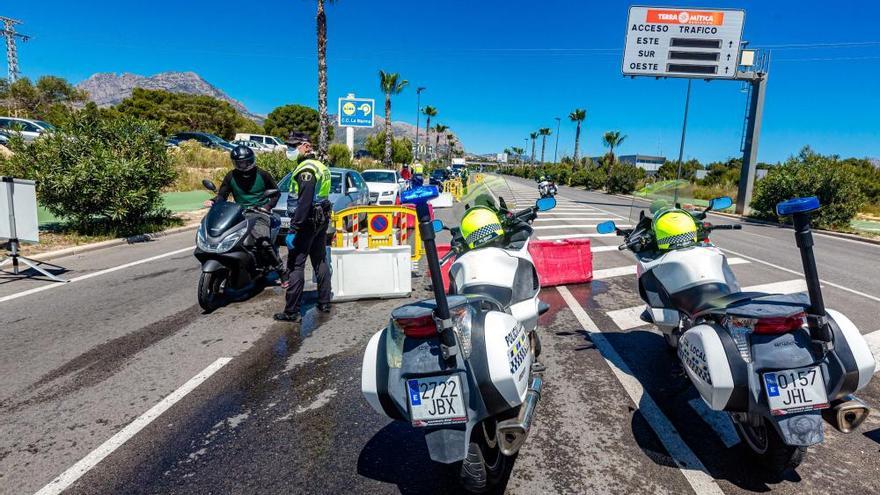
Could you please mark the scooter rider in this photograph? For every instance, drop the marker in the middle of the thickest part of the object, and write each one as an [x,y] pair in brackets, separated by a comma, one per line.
[247,183]
[310,187]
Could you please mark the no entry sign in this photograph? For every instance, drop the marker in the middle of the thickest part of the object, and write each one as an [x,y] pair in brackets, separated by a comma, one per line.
[675,42]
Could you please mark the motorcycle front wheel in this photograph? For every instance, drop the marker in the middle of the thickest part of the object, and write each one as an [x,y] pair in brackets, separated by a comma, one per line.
[485,466]
[211,287]
[772,453]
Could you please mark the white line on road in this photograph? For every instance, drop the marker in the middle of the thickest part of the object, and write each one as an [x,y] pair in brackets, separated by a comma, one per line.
[572,236]
[602,249]
[569,219]
[570,226]
[719,421]
[824,282]
[91,275]
[628,318]
[873,340]
[689,464]
[67,478]
[631,269]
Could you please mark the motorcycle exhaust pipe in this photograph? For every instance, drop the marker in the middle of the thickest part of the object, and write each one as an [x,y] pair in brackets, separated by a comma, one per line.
[846,414]
[512,433]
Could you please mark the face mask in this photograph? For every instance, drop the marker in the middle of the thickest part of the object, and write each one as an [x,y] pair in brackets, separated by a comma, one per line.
[294,154]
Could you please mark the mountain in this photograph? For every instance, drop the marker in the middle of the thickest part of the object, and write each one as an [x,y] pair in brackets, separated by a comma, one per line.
[107,88]
[398,129]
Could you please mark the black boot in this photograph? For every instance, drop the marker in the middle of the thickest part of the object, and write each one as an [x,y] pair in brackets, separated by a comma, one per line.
[294,318]
[324,307]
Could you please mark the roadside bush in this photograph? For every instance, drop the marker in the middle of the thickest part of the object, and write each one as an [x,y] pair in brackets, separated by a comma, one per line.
[338,155]
[277,164]
[623,178]
[811,174]
[100,173]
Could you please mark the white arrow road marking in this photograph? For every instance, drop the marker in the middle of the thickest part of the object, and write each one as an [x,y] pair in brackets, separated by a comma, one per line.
[689,464]
[69,477]
[719,421]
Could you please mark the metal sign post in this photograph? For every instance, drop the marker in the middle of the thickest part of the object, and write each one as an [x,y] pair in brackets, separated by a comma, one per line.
[758,80]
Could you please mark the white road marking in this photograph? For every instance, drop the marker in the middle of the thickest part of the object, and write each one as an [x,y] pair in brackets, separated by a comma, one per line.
[628,318]
[87,276]
[562,226]
[570,219]
[631,269]
[553,213]
[719,421]
[824,282]
[689,464]
[67,478]
[572,236]
[602,249]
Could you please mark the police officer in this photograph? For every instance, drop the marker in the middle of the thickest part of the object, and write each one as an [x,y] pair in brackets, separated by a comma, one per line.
[310,188]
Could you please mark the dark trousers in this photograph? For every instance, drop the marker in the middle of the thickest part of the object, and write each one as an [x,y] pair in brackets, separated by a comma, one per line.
[309,243]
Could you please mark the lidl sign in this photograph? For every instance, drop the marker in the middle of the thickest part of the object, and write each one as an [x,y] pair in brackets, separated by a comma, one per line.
[356,112]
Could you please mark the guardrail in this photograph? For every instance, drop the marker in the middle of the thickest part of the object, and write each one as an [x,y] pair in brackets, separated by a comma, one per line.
[381,226]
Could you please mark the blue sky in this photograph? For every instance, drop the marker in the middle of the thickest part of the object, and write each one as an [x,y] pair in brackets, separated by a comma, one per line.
[495,69]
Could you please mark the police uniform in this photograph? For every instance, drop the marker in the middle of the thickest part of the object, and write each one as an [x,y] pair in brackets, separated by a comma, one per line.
[310,185]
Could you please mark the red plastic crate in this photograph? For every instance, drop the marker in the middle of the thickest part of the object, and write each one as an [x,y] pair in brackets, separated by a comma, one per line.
[442,249]
[566,261]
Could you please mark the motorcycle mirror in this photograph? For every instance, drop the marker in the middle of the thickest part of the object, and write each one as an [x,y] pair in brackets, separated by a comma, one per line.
[209,185]
[437,225]
[641,214]
[606,227]
[545,204]
[721,203]
[502,202]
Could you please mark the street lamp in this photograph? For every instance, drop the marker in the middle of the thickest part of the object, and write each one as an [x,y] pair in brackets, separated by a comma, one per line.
[556,149]
[418,114]
[526,152]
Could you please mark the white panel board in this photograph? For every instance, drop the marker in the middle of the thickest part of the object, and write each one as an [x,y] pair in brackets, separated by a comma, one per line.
[24,201]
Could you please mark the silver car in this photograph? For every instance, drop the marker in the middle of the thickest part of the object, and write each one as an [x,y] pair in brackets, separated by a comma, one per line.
[347,188]
[29,130]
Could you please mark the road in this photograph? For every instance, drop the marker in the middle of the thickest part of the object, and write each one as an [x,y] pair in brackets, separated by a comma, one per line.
[118,383]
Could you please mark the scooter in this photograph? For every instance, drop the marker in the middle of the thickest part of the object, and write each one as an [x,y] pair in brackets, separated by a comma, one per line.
[547,189]
[229,254]
[775,363]
[460,366]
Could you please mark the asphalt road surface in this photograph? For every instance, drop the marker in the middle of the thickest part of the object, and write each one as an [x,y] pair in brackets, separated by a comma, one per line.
[118,383]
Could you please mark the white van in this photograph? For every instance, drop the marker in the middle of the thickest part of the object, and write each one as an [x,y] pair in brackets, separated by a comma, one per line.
[271,141]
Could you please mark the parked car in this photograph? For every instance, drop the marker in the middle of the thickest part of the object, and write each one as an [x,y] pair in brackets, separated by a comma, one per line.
[271,142]
[347,188]
[385,186]
[438,176]
[257,147]
[203,138]
[26,128]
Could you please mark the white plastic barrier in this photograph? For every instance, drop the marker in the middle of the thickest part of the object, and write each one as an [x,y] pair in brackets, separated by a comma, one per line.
[361,274]
[444,200]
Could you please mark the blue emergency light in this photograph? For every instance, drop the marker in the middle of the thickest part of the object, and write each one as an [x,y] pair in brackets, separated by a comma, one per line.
[797,205]
[419,195]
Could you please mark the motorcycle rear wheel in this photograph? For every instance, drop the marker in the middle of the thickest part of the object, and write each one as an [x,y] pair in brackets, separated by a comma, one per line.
[772,453]
[485,466]
[211,287]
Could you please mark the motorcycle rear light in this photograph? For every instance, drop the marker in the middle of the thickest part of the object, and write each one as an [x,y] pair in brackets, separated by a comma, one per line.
[779,324]
[421,327]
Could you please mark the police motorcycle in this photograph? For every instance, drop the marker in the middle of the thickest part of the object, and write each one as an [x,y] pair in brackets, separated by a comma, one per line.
[460,366]
[229,254]
[547,187]
[776,364]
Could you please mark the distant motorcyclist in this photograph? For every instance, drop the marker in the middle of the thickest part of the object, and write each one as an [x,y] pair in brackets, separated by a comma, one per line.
[247,183]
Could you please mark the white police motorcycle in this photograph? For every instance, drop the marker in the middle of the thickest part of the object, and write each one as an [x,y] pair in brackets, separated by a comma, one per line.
[775,363]
[461,366]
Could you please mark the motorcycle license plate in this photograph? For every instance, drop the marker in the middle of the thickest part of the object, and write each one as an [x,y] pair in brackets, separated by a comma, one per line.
[797,390]
[436,400]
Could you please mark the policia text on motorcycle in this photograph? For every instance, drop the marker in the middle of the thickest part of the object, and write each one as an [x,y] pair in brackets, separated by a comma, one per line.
[247,183]
[309,219]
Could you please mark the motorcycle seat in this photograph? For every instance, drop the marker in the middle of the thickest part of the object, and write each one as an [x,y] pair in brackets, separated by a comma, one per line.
[721,304]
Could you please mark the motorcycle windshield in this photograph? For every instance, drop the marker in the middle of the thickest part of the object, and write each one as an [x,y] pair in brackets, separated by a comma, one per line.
[659,194]
[222,216]
[492,191]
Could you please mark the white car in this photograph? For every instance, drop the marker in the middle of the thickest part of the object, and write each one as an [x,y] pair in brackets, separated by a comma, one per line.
[257,147]
[28,129]
[271,142]
[384,185]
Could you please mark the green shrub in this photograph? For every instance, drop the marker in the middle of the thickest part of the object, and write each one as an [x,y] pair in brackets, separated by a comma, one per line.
[277,164]
[104,173]
[623,178]
[338,155]
[811,174]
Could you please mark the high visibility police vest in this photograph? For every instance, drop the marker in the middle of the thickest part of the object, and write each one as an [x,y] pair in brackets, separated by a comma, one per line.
[322,176]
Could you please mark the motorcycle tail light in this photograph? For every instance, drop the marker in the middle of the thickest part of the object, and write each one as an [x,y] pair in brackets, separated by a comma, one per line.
[775,325]
[420,327]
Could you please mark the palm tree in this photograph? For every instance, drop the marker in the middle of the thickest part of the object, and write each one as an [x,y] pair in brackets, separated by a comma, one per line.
[534,136]
[391,84]
[429,112]
[519,152]
[450,144]
[578,115]
[321,19]
[544,132]
[438,129]
[611,140]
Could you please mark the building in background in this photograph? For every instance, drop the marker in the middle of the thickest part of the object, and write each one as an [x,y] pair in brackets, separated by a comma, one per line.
[651,164]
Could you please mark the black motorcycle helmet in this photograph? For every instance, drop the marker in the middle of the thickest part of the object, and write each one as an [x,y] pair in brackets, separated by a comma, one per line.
[243,158]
